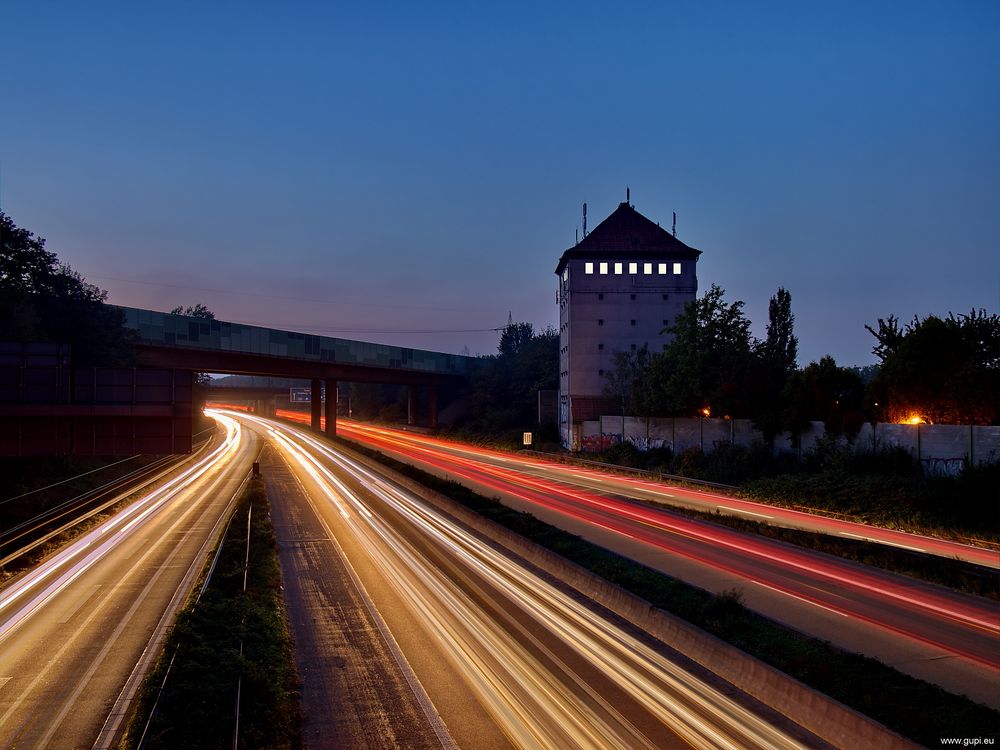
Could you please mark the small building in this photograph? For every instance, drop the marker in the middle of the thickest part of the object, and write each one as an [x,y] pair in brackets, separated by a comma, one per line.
[620,287]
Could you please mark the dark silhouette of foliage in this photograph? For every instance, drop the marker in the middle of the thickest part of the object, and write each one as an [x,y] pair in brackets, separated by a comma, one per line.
[776,362]
[825,392]
[503,394]
[194,311]
[779,350]
[42,299]
[943,369]
[709,362]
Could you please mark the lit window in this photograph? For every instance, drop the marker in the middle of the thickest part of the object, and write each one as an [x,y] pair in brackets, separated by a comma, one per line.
[604,267]
[588,267]
[677,269]
[647,268]
[566,273]
[633,268]
[662,269]
[618,267]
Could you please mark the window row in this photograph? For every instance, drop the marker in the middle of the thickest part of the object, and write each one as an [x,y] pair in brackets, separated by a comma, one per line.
[633,268]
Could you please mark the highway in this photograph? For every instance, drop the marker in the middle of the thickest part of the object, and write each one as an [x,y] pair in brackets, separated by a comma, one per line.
[665,493]
[74,630]
[505,657]
[925,630]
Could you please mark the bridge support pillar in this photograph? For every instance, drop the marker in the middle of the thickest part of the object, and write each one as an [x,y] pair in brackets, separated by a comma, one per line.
[432,393]
[316,404]
[411,404]
[331,406]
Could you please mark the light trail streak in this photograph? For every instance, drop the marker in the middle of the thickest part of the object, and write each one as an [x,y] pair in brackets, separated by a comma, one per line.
[615,514]
[708,500]
[537,699]
[763,549]
[80,555]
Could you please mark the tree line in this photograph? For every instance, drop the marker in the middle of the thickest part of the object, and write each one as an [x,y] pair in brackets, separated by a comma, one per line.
[934,370]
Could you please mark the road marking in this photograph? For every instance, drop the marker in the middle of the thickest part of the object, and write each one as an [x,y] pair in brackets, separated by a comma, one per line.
[882,541]
[737,510]
[83,600]
[4,681]
[800,598]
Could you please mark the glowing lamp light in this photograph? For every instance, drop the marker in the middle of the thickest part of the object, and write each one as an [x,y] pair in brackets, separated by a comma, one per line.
[915,419]
[706,412]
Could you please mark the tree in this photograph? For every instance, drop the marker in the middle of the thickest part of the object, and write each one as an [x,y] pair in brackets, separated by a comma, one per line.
[42,299]
[514,337]
[825,392]
[503,393]
[776,355]
[942,369]
[779,350]
[194,311]
[709,362]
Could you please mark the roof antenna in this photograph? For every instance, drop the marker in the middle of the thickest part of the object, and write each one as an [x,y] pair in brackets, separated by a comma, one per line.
[577,235]
[585,221]
[675,223]
[628,195]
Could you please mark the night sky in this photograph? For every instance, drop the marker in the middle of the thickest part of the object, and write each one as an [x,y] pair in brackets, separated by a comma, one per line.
[402,171]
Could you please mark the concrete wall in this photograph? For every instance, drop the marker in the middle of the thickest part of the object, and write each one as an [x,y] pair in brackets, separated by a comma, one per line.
[942,448]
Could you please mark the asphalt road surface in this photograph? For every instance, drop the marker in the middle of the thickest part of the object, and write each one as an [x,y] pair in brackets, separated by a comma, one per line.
[925,630]
[494,654]
[73,629]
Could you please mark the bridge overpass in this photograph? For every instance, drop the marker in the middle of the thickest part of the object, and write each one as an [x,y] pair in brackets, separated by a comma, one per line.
[208,345]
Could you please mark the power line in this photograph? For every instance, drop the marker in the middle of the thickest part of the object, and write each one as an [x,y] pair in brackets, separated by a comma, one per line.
[242,293]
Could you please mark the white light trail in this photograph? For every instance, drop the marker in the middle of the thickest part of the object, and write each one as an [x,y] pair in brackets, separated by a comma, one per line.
[59,571]
[538,702]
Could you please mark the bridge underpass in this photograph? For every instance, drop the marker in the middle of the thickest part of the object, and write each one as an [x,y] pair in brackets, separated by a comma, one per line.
[208,345]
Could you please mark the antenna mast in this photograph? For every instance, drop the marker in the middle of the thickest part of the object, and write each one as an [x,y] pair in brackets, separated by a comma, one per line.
[585,221]
[628,195]
[675,223]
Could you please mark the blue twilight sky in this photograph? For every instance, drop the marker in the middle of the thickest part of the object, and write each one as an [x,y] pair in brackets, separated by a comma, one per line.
[369,170]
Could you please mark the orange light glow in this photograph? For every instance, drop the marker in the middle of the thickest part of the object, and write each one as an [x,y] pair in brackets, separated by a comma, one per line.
[706,412]
[915,419]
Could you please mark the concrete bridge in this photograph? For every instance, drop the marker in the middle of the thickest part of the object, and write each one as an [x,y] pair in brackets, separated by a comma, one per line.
[208,345]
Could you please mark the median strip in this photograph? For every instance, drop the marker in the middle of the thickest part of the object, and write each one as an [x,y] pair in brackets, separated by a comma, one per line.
[189,699]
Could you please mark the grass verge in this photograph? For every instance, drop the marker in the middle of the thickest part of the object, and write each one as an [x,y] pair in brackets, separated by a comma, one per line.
[915,709]
[197,706]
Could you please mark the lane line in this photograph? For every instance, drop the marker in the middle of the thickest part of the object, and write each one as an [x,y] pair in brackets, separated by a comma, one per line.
[800,598]
[882,541]
[83,600]
[746,512]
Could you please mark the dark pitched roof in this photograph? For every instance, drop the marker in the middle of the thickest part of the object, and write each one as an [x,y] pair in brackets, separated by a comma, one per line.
[627,232]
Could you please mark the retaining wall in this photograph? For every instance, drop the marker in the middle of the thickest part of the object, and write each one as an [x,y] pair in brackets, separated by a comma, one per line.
[941,447]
